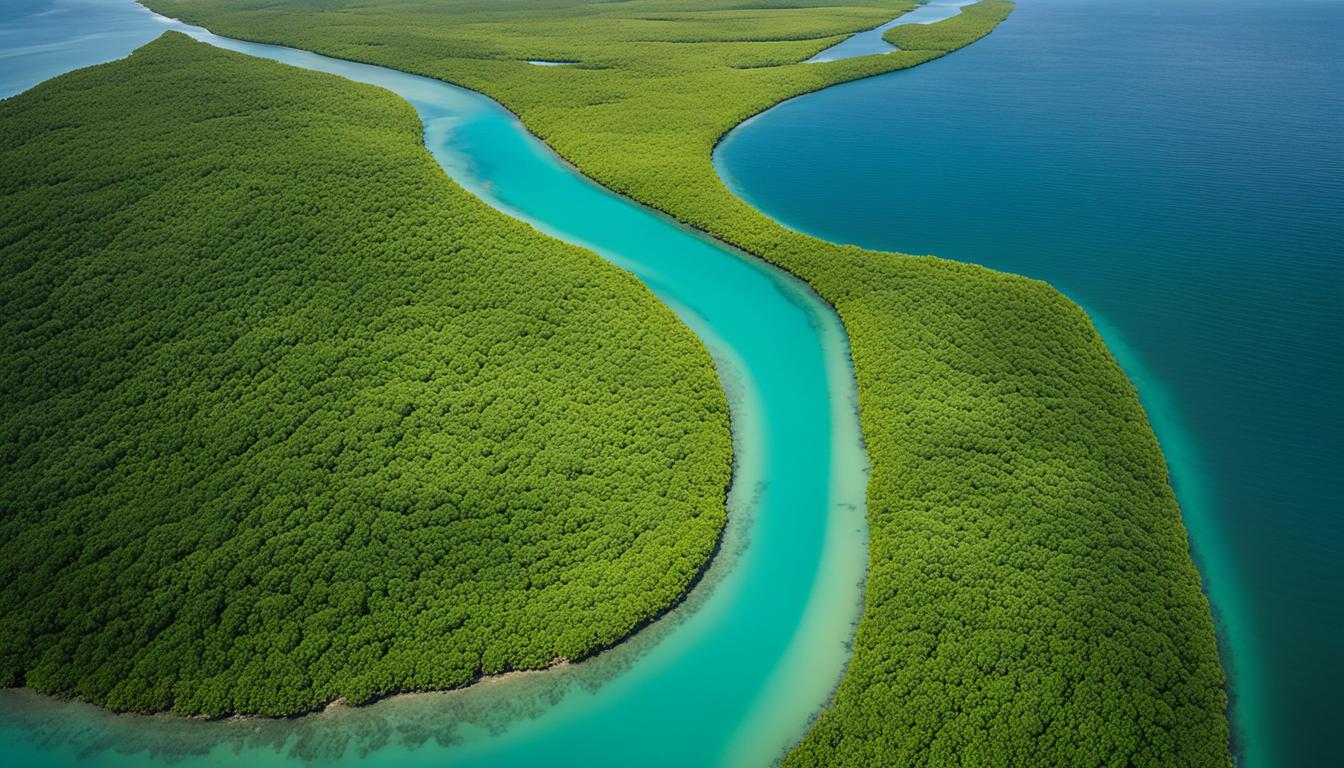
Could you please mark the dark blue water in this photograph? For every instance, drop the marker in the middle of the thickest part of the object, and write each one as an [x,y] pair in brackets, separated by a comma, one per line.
[1177,167]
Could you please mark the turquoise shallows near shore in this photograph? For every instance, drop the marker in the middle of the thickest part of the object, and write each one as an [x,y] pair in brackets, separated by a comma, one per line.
[774,615]
[1174,166]
[870,41]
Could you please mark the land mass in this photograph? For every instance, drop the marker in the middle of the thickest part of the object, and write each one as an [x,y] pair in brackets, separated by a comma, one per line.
[291,417]
[1031,598]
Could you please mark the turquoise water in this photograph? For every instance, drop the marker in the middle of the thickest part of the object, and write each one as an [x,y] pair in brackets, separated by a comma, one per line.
[1176,167]
[731,677]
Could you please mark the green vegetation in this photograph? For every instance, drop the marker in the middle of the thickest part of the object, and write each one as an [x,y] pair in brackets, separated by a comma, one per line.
[973,23]
[1031,599]
[290,417]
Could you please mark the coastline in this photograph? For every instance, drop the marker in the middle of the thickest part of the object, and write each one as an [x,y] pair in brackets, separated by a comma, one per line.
[800,295]
[1238,645]
[1207,550]
[711,236]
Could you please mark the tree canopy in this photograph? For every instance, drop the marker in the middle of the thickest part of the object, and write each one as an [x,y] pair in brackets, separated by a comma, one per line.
[974,22]
[290,417]
[1031,598]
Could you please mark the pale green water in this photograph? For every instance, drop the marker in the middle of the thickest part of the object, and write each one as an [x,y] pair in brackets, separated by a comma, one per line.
[731,677]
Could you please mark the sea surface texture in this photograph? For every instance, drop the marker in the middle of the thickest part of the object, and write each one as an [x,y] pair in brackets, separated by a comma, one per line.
[1176,167]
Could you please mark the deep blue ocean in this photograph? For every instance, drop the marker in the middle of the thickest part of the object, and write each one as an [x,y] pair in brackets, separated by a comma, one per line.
[1176,167]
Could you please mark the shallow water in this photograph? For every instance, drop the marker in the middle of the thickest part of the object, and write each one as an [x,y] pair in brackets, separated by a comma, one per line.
[870,41]
[731,677]
[1176,167]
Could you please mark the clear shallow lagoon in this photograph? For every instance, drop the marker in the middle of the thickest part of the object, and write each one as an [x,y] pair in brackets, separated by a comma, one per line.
[731,677]
[1176,167]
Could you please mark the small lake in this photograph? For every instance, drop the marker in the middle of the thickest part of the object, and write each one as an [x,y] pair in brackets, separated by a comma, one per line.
[734,675]
[1176,167]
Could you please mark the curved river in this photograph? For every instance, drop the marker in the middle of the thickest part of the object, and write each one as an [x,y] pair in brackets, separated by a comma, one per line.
[732,676]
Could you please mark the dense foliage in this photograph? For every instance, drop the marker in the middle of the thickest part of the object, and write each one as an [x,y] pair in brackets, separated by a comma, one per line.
[1031,599]
[974,22]
[289,416]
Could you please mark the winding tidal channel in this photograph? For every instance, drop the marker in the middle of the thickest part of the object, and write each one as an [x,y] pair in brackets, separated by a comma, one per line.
[735,674]
[1036,151]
